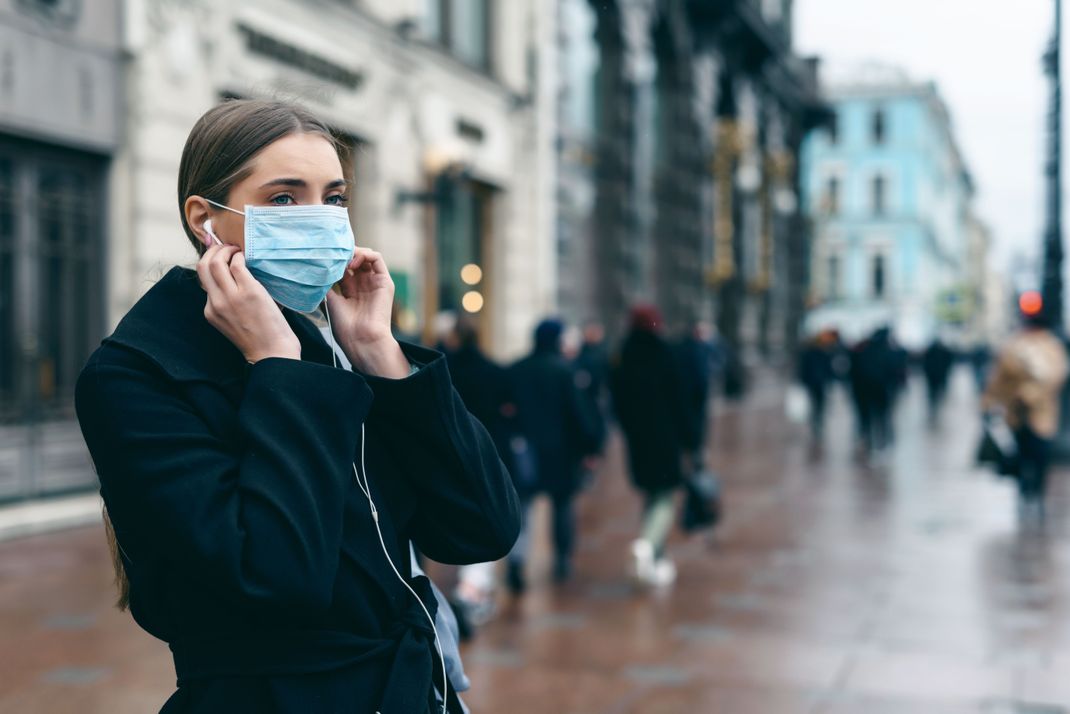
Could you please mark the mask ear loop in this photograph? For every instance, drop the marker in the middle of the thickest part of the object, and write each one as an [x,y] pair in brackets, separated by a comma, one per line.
[365,488]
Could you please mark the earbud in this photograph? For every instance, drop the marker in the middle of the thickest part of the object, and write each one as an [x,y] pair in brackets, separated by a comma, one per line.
[208,229]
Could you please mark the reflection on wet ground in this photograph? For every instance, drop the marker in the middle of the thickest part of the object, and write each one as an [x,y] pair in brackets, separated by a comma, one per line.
[832,586]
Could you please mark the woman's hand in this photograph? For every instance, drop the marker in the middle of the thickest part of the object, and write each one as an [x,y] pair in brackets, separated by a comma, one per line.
[360,317]
[240,308]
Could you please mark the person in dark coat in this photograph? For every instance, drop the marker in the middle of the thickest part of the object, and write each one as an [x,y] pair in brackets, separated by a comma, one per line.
[650,409]
[592,375]
[875,379]
[555,421]
[487,391]
[262,499]
[936,363]
[816,372]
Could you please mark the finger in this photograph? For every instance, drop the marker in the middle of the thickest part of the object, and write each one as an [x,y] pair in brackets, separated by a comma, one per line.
[348,283]
[372,261]
[219,266]
[204,273]
[242,277]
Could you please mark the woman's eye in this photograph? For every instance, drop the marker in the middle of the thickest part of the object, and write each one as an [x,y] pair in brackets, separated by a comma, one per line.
[339,199]
[283,199]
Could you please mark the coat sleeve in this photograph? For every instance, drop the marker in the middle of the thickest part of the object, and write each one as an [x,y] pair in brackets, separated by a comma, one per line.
[467,509]
[260,520]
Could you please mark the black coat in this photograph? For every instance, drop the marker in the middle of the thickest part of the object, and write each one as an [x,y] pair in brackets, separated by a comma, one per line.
[249,546]
[555,419]
[649,404]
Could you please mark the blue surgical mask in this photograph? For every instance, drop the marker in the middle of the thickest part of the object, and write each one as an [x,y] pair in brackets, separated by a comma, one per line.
[296,252]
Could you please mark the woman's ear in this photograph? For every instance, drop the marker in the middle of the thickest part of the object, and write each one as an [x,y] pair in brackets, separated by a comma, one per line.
[197,214]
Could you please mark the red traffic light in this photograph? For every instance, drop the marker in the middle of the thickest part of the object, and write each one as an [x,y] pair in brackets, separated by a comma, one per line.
[1030,303]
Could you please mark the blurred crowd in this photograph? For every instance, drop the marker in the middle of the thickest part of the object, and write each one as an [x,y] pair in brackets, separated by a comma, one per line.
[1020,388]
[550,414]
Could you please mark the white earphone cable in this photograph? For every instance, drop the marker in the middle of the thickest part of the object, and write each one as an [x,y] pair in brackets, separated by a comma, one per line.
[365,488]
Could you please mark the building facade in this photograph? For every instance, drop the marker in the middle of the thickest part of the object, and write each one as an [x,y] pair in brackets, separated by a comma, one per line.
[61,120]
[446,108]
[891,199]
[679,124]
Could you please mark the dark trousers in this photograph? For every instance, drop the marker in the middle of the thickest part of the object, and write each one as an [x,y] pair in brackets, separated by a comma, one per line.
[817,408]
[875,420]
[1033,459]
[563,528]
[937,389]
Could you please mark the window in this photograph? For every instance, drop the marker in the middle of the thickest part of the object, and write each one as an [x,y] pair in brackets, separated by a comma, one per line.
[879,198]
[879,279]
[433,25]
[832,195]
[879,130]
[462,26]
[580,65]
[834,278]
[462,219]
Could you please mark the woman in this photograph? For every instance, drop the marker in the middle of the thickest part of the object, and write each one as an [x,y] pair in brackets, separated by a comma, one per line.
[263,500]
[648,400]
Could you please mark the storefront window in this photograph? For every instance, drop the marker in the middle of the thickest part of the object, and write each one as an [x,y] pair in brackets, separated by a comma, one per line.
[462,26]
[461,282]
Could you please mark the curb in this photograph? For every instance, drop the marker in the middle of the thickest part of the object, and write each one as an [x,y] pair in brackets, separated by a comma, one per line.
[42,516]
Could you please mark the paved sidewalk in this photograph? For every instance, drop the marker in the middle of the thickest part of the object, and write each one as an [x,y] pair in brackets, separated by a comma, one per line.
[831,588]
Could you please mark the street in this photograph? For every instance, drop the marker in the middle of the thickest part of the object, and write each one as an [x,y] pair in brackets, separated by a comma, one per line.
[831,587]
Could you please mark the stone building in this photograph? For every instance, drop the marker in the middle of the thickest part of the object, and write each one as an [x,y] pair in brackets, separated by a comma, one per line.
[898,241]
[61,120]
[679,126]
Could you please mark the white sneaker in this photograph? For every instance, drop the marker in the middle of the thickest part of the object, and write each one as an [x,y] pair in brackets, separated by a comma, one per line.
[643,560]
[664,573]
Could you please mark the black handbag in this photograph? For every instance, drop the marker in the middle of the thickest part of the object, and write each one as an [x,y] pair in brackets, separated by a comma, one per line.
[702,501]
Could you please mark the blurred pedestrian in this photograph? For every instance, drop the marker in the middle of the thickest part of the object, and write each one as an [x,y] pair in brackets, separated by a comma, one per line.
[1026,385]
[592,365]
[591,373]
[255,528]
[649,406]
[485,388]
[980,363]
[936,363]
[875,381]
[554,419]
[816,372]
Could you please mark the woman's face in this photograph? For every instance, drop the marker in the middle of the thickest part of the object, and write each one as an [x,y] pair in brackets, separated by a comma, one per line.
[296,170]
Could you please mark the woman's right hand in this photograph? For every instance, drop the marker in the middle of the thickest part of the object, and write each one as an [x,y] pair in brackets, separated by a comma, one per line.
[240,308]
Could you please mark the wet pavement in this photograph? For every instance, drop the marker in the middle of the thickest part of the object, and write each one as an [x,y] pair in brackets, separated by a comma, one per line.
[831,587]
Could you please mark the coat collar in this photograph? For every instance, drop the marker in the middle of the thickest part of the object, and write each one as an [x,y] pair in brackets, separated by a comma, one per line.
[167,325]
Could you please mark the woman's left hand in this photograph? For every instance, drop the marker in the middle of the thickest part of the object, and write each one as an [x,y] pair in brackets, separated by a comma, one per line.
[360,317]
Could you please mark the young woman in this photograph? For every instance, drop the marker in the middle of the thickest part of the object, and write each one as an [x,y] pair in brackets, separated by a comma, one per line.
[262,499]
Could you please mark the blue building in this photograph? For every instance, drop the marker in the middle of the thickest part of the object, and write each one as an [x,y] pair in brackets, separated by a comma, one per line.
[889,196]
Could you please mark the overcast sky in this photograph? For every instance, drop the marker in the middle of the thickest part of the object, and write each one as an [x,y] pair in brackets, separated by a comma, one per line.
[985,57]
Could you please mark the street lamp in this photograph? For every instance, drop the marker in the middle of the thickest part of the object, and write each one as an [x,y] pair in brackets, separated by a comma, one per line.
[1052,283]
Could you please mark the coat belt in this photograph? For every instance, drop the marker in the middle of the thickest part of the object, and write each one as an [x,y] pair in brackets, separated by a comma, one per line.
[406,653]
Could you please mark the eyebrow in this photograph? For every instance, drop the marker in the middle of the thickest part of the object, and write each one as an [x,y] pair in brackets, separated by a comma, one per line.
[301,183]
